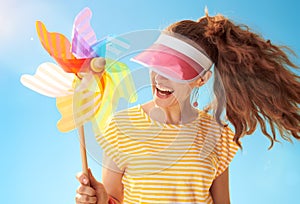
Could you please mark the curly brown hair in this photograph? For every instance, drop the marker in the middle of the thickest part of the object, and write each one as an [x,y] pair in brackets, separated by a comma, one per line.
[259,85]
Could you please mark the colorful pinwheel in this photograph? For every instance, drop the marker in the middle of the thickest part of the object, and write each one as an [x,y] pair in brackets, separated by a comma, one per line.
[81,94]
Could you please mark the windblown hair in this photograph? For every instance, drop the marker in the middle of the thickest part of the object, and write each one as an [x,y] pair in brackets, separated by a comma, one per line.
[259,86]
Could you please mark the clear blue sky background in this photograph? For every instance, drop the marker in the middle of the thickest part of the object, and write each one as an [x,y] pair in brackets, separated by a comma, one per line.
[39,163]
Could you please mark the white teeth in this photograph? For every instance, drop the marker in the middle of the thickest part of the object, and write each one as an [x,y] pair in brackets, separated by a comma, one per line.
[163,88]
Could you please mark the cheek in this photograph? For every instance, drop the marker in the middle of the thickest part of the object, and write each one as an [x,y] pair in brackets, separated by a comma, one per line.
[152,81]
[152,76]
[183,93]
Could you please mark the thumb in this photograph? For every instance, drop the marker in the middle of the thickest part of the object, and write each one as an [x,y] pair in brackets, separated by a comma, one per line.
[101,193]
[92,179]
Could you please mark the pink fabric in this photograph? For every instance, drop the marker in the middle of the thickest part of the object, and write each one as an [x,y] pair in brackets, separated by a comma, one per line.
[169,62]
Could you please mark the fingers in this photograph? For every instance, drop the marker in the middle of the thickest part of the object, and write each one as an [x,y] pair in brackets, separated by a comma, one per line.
[90,189]
[86,190]
[87,180]
[84,199]
[82,178]
[92,179]
[99,187]
[85,195]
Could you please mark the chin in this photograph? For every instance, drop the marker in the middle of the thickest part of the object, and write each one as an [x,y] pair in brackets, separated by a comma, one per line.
[160,104]
[165,104]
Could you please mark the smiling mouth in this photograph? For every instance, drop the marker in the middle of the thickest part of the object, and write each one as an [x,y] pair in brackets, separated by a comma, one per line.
[163,90]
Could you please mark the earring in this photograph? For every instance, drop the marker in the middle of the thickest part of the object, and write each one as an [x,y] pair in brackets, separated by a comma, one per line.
[195,96]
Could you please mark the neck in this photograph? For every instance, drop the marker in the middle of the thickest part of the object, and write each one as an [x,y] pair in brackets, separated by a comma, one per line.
[180,114]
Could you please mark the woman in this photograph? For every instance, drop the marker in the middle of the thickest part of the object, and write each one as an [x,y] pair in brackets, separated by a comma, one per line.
[167,151]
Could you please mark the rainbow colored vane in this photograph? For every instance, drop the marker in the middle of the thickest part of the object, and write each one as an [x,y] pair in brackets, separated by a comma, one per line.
[92,96]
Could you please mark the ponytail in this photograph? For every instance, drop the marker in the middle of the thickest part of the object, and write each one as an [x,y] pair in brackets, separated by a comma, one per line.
[253,74]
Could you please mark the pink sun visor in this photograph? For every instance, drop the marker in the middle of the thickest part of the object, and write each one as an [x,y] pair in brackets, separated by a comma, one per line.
[174,59]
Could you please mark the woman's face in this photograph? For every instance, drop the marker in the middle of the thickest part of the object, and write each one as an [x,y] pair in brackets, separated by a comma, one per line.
[168,94]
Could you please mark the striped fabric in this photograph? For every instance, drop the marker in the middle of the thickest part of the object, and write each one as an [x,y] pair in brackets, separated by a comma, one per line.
[165,163]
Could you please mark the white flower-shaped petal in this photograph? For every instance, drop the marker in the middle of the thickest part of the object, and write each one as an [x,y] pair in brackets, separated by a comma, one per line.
[50,80]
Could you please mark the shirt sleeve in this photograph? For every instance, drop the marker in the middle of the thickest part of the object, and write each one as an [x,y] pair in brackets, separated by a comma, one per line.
[109,142]
[226,150]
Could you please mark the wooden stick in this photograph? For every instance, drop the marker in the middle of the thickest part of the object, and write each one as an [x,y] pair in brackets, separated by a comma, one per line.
[83,150]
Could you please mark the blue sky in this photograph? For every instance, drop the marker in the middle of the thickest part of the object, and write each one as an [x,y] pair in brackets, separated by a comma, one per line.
[39,163]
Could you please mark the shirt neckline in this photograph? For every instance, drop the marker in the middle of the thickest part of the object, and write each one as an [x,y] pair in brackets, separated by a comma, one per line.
[170,125]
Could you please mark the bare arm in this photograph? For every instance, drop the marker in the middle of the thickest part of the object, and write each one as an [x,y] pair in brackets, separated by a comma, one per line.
[220,189]
[112,179]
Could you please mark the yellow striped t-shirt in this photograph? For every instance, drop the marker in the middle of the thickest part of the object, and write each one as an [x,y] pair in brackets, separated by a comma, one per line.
[166,163]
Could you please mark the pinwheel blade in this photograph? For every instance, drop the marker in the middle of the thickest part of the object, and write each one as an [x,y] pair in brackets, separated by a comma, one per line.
[76,113]
[119,84]
[49,80]
[83,35]
[58,46]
